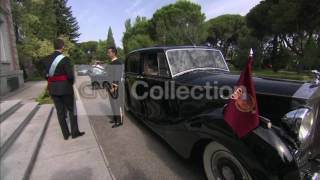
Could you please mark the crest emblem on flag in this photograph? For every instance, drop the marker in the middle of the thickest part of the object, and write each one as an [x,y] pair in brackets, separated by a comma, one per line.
[244,102]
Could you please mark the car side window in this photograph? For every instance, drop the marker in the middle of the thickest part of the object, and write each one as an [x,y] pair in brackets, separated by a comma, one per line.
[163,65]
[133,63]
[150,64]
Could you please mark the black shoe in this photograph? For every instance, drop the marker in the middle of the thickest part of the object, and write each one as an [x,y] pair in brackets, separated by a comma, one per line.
[78,135]
[66,138]
[116,125]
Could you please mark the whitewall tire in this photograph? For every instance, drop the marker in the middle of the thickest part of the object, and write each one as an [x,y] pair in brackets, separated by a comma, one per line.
[220,164]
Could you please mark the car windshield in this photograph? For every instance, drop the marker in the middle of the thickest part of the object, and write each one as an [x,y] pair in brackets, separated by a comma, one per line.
[186,60]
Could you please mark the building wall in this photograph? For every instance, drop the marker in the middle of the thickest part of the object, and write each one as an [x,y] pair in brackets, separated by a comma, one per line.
[11,77]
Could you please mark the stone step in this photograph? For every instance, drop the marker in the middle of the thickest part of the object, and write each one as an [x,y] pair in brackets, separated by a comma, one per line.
[18,161]
[8,107]
[13,125]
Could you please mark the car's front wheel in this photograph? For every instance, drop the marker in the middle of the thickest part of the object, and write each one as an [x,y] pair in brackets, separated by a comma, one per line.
[220,164]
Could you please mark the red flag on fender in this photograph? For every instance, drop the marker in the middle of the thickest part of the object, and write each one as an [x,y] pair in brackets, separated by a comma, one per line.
[241,113]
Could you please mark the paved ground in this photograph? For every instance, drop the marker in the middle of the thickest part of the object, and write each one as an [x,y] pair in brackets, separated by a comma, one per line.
[74,159]
[133,151]
[29,92]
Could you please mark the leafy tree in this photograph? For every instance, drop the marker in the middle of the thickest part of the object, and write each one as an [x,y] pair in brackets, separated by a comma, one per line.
[178,24]
[286,26]
[127,24]
[311,58]
[225,31]
[35,48]
[90,49]
[110,39]
[121,54]
[89,46]
[66,23]
[259,21]
[245,44]
[134,36]
[139,41]
[78,56]
[101,54]
[34,18]
[36,26]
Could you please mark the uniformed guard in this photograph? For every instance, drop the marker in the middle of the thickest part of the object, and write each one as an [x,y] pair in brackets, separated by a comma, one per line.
[60,76]
[115,89]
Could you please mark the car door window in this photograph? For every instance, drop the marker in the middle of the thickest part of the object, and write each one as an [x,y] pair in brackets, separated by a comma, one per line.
[155,64]
[150,64]
[164,70]
[133,63]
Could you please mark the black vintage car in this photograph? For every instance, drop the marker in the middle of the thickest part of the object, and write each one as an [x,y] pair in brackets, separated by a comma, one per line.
[286,145]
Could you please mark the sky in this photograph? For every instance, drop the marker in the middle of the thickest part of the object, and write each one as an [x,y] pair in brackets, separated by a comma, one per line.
[95,16]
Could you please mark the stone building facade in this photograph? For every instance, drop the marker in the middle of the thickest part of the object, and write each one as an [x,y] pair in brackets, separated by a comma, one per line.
[11,77]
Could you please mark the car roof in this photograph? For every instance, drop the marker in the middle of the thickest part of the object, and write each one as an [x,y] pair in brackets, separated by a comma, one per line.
[165,48]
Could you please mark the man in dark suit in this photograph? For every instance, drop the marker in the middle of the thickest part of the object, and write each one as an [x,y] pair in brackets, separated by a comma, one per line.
[115,71]
[59,73]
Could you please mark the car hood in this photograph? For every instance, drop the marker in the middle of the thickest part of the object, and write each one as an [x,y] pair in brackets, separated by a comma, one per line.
[265,86]
[273,95]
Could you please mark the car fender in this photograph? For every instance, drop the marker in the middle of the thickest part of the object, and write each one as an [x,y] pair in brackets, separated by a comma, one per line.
[262,150]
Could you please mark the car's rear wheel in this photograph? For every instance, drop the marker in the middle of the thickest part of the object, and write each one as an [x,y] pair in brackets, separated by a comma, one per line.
[220,164]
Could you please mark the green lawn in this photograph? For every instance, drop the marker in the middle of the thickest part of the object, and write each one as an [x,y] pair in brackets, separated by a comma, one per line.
[44,98]
[282,75]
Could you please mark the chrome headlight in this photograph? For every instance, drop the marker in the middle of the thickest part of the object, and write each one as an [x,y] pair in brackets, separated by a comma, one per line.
[300,122]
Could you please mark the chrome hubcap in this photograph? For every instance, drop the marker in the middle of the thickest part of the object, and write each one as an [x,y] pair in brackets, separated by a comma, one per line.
[225,166]
[228,173]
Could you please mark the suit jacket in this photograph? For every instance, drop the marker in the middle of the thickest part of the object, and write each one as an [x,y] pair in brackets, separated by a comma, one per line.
[63,68]
[115,73]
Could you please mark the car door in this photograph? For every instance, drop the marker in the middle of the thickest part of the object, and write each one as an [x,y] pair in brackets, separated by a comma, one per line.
[132,78]
[158,106]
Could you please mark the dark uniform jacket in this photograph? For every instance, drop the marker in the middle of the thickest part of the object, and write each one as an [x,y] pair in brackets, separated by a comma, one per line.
[64,67]
[115,72]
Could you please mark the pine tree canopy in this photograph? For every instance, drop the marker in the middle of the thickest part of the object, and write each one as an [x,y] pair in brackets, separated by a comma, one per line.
[110,39]
[66,23]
